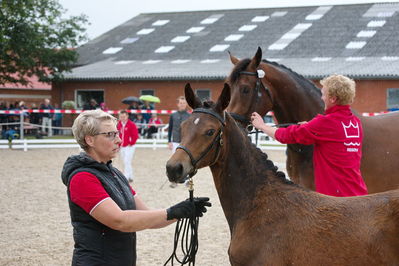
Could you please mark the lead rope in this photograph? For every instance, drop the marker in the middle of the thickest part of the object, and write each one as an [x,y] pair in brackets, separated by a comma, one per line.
[188,229]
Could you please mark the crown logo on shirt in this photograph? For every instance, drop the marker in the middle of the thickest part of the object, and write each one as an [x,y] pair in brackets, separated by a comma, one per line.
[351,130]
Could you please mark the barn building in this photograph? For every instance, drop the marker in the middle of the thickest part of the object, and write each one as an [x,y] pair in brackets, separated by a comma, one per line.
[159,53]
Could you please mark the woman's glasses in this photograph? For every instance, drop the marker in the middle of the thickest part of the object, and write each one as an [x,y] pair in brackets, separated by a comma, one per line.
[111,134]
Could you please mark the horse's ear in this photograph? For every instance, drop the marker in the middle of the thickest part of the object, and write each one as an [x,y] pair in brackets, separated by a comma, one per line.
[224,99]
[233,59]
[255,61]
[192,100]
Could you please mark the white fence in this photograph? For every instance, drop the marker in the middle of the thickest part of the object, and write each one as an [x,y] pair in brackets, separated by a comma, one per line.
[26,144]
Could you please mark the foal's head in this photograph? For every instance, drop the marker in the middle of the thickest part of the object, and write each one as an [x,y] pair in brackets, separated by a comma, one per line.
[250,91]
[201,136]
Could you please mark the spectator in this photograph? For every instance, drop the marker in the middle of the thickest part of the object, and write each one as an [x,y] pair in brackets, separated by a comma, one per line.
[92,105]
[104,107]
[175,121]
[147,106]
[133,106]
[34,118]
[153,125]
[105,210]
[129,134]
[47,117]
[141,124]
[57,120]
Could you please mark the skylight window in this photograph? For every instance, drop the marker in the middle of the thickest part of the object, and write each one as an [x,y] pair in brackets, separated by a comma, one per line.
[180,61]
[149,62]
[180,39]
[195,29]
[124,62]
[302,26]
[112,50]
[376,23]
[385,14]
[289,35]
[390,58]
[260,18]
[313,17]
[355,45]
[129,40]
[278,46]
[233,37]
[321,59]
[145,31]
[209,61]
[160,22]
[360,58]
[279,13]
[219,47]
[164,49]
[366,33]
[247,28]
[212,19]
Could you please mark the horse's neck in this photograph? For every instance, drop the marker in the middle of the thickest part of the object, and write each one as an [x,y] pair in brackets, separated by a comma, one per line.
[294,100]
[239,174]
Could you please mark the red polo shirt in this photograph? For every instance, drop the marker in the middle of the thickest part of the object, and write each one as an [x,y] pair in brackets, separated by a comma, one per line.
[337,137]
[128,133]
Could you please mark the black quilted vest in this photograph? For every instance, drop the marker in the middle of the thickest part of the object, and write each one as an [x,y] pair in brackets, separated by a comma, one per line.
[95,243]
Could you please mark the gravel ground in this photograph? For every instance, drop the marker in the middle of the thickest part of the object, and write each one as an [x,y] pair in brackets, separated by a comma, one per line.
[35,225]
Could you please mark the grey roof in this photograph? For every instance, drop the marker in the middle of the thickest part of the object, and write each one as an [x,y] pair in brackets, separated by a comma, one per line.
[356,40]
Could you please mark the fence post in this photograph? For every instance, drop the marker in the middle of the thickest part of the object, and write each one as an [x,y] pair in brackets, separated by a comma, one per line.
[21,125]
[154,144]
[25,145]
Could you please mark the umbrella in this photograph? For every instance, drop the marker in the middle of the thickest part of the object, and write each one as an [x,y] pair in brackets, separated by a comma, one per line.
[150,98]
[131,99]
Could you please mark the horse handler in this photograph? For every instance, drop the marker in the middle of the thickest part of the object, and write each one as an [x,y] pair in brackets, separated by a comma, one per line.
[105,210]
[337,137]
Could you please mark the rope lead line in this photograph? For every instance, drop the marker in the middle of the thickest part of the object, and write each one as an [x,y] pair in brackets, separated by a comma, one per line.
[188,229]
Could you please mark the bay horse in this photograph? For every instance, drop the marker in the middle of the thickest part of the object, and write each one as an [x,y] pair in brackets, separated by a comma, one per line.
[293,99]
[273,221]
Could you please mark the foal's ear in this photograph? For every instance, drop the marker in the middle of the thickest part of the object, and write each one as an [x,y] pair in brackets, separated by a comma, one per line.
[224,99]
[192,100]
[255,61]
[233,59]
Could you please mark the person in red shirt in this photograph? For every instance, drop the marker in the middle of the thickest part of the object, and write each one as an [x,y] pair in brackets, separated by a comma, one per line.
[337,138]
[105,211]
[153,125]
[129,134]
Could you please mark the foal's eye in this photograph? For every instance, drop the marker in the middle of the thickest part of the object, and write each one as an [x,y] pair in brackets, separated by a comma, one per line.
[245,90]
[210,132]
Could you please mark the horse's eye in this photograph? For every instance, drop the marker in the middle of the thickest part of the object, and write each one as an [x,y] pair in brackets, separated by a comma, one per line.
[245,90]
[210,132]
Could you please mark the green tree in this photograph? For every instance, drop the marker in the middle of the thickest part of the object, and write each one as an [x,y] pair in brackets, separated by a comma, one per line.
[35,39]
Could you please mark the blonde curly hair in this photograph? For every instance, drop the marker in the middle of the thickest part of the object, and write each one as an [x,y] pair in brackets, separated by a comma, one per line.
[340,87]
[88,124]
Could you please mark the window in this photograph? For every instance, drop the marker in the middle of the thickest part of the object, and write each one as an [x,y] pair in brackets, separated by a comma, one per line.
[393,99]
[83,97]
[203,94]
[147,92]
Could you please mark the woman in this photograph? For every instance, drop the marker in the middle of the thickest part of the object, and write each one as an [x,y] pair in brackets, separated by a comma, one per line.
[337,137]
[105,211]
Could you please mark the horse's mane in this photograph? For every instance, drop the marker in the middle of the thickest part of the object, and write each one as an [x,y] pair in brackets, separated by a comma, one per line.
[304,82]
[260,156]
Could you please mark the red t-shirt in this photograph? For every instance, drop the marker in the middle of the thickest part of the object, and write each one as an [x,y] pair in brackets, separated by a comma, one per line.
[87,192]
[337,138]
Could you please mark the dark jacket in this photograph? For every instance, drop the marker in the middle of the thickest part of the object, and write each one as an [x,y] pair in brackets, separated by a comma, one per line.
[95,243]
[175,121]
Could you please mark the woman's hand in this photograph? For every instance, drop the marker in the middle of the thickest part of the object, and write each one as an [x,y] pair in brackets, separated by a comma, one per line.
[257,120]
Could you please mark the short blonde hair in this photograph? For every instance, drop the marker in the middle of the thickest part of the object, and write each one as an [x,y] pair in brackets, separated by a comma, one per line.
[88,124]
[340,87]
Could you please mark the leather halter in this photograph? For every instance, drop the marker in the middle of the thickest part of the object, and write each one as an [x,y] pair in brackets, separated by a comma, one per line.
[217,140]
[257,94]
